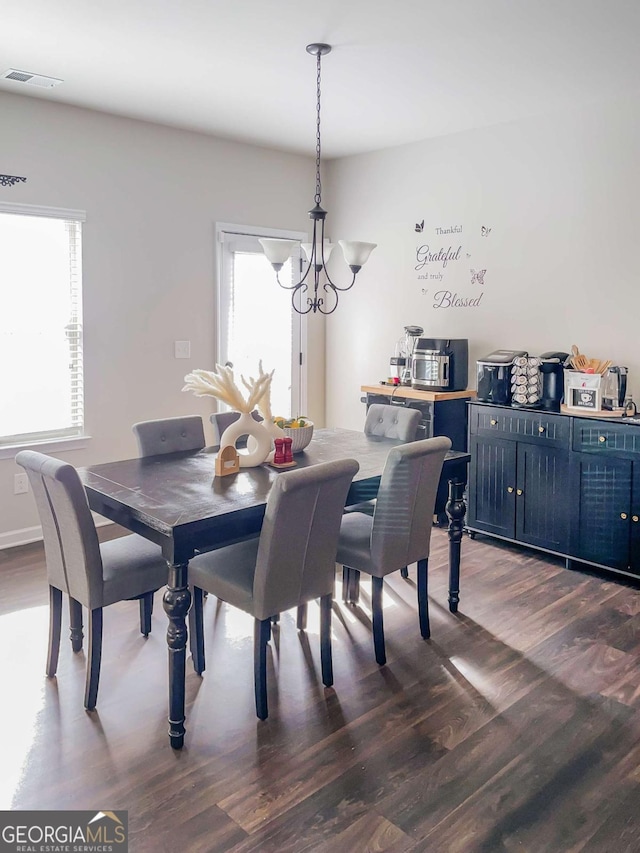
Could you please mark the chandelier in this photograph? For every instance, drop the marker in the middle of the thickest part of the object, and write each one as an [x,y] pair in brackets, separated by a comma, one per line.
[309,294]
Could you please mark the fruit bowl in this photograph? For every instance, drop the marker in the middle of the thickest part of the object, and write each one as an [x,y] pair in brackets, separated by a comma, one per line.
[300,436]
[299,430]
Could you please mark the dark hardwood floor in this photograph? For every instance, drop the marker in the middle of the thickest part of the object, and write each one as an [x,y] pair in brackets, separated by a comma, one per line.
[515,728]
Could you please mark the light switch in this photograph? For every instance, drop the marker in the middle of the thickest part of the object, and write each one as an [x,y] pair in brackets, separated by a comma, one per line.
[183,349]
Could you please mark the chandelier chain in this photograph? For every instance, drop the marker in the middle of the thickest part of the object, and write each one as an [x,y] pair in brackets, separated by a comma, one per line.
[318,195]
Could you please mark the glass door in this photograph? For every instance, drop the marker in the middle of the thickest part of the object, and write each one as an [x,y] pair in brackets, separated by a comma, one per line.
[256,320]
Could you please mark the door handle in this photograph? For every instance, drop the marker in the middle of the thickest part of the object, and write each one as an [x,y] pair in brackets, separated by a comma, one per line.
[635,518]
[623,516]
[518,491]
[510,489]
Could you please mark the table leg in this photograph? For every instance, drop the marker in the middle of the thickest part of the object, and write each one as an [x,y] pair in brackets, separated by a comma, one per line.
[456,510]
[176,602]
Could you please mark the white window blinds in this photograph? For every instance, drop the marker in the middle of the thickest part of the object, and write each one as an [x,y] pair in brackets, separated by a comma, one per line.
[41,373]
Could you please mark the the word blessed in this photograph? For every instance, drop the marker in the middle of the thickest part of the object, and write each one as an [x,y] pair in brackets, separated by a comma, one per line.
[447,299]
[424,256]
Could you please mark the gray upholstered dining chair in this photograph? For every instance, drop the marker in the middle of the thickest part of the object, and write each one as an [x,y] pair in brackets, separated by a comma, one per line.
[221,420]
[398,533]
[399,422]
[292,562]
[169,435]
[92,574]
[387,421]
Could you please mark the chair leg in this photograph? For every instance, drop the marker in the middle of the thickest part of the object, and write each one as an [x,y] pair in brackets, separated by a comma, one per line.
[325,639]
[350,585]
[95,656]
[301,620]
[378,625]
[345,584]
[146,609]
[261,632]
[423,603]
[75,624]
[196,631]
[404,572]
[55,628]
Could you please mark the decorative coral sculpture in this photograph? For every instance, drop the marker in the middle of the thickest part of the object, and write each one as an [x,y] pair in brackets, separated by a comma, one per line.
[221,384]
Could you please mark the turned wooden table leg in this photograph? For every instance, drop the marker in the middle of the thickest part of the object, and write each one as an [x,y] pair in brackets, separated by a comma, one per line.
[176,602]
[456,510]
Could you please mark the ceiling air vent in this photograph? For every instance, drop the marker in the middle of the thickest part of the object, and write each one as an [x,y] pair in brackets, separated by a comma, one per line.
[30,79]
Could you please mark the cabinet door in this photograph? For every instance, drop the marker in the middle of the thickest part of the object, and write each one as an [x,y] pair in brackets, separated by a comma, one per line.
[634,539]
[542,497]
[602,532]
[492,482]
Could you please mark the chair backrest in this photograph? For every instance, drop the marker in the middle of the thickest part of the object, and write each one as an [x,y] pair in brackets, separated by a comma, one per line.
[299,538]
[221,420]
[399,422]
[72,550]
[169,435]
[403,515]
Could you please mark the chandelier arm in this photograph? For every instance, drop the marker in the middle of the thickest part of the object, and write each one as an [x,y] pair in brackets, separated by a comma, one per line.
[297,284]
[337,287]
[328,288]
[298,292]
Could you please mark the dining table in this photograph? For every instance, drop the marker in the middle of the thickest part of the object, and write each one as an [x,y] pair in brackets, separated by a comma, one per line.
[176,501]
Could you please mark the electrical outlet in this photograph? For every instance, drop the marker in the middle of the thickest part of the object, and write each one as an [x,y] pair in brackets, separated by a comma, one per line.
[182,349]
[20,484]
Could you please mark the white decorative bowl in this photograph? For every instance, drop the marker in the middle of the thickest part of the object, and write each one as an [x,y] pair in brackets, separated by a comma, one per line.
[300,436]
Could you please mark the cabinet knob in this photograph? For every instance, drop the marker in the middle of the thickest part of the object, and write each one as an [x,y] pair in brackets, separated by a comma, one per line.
[493,422]
[602,439]
[518,491]
[510,489]
[623,515]
[635,518]
[542,429]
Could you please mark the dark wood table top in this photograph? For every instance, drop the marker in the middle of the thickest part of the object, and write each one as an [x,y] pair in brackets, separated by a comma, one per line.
[176,500]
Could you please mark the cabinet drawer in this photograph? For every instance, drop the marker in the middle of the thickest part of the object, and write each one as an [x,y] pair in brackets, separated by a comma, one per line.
[593,437]
[518,425]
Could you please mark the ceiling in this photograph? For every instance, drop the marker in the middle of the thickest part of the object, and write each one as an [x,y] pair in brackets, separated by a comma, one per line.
[400,70]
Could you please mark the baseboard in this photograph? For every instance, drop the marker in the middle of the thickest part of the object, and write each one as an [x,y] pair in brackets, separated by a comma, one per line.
[27,535]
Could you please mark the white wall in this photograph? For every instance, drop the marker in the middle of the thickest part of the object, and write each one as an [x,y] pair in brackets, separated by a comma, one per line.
[152,196]
[562,197]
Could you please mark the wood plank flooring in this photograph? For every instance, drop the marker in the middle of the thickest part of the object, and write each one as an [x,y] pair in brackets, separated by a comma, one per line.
[515,728]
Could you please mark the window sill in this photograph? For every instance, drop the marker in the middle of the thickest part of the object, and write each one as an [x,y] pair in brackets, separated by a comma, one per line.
[53,445]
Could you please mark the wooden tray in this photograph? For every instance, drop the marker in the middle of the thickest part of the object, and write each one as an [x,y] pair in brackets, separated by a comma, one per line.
[589,413]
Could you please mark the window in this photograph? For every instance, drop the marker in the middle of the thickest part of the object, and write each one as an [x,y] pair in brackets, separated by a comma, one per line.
[256,319]
[41,393]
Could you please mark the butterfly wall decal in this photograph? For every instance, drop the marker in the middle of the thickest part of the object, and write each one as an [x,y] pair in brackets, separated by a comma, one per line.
[477,277]
[485,231]
[420,226]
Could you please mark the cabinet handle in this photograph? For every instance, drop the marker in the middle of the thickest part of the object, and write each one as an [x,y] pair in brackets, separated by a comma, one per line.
[635,518]
[542,429]
[493,422]
[510,489]
[518,491]
[623,515]
[602,439]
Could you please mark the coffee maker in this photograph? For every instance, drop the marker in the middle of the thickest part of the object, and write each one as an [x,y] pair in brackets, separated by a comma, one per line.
[401,361]
[614,388]
[552,366]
